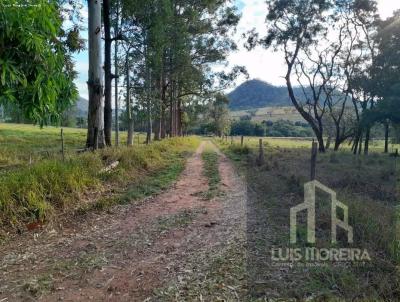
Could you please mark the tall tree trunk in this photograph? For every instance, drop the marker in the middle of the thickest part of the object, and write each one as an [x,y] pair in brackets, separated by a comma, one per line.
[129,139]
[162,123]
[95,134]
[149,111]
[328,142]
[320,139]
[386,137]
[162,113]
[116,29]
[179,118]
[354,148]
[172,111]
[107,71]
[360,143]
[366,142]
[337,137]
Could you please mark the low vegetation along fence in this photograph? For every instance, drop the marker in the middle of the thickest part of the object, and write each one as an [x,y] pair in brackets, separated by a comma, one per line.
[38,191]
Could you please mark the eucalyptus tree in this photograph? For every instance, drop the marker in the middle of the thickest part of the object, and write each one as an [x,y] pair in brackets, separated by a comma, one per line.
[174,47]
[95,134]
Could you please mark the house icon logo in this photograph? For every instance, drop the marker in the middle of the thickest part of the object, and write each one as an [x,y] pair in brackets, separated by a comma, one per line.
[309,206]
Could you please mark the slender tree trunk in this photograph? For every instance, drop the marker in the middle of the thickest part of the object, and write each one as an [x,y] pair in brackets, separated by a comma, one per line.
[162,123]
[386,137]
[116,29]
[157,119]
[156,129]
[321,146]
[366,142]
[129,139]
[172,111]
[149,111]
[360,143]
[95,134]
[107,71]
[162,113]
[328,143]
[179,118]
[354,148]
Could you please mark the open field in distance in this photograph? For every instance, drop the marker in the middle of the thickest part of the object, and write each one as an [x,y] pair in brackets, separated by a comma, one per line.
[20,143]
[269,114]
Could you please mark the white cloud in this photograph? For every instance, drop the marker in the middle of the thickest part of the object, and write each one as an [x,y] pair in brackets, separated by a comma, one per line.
[268,65]
[82,88]
[386,7]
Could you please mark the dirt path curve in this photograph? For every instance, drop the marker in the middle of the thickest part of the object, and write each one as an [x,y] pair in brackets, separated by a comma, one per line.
[131,250]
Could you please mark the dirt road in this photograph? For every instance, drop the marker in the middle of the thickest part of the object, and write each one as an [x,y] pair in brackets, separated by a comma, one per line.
[147,251]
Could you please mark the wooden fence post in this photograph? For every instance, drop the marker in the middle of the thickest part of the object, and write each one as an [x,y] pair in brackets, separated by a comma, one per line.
[260,159]
[314,151]
[231,140]
[241,141]
[62,144]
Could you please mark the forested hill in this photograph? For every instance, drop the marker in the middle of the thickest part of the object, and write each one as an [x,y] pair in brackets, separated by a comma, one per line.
[258,94]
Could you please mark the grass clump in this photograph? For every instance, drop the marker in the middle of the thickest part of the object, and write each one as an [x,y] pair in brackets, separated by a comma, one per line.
[222,278]
[210,170]
[178,220]
[37,192]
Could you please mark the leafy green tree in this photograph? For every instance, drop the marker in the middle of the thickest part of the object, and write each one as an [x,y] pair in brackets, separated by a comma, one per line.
[219,115]
[34,70]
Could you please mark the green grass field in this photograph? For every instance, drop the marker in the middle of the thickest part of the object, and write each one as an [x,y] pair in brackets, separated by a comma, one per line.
[20,143]
[368,185]
[376,145]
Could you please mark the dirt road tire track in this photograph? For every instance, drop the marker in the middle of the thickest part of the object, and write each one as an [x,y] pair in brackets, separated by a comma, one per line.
[123,255]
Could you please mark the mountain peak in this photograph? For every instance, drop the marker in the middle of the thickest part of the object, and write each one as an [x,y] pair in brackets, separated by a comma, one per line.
[257,94]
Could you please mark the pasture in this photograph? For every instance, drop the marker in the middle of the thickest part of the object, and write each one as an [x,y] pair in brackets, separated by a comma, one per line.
[368,185]
[269,114]
[22,143]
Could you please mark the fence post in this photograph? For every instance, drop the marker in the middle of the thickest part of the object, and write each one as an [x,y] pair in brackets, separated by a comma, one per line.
[231,140]
[314,151]
[241,141]
[260,159]
[62,144]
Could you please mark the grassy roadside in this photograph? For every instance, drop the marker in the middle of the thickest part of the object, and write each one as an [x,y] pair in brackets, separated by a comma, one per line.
[368,185]
[210,170]
[37,192]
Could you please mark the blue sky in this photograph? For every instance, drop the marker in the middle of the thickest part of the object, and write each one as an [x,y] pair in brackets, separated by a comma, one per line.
[260,63]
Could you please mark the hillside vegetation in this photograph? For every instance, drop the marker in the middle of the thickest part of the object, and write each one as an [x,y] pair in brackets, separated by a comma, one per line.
[257,94]
[269,114]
